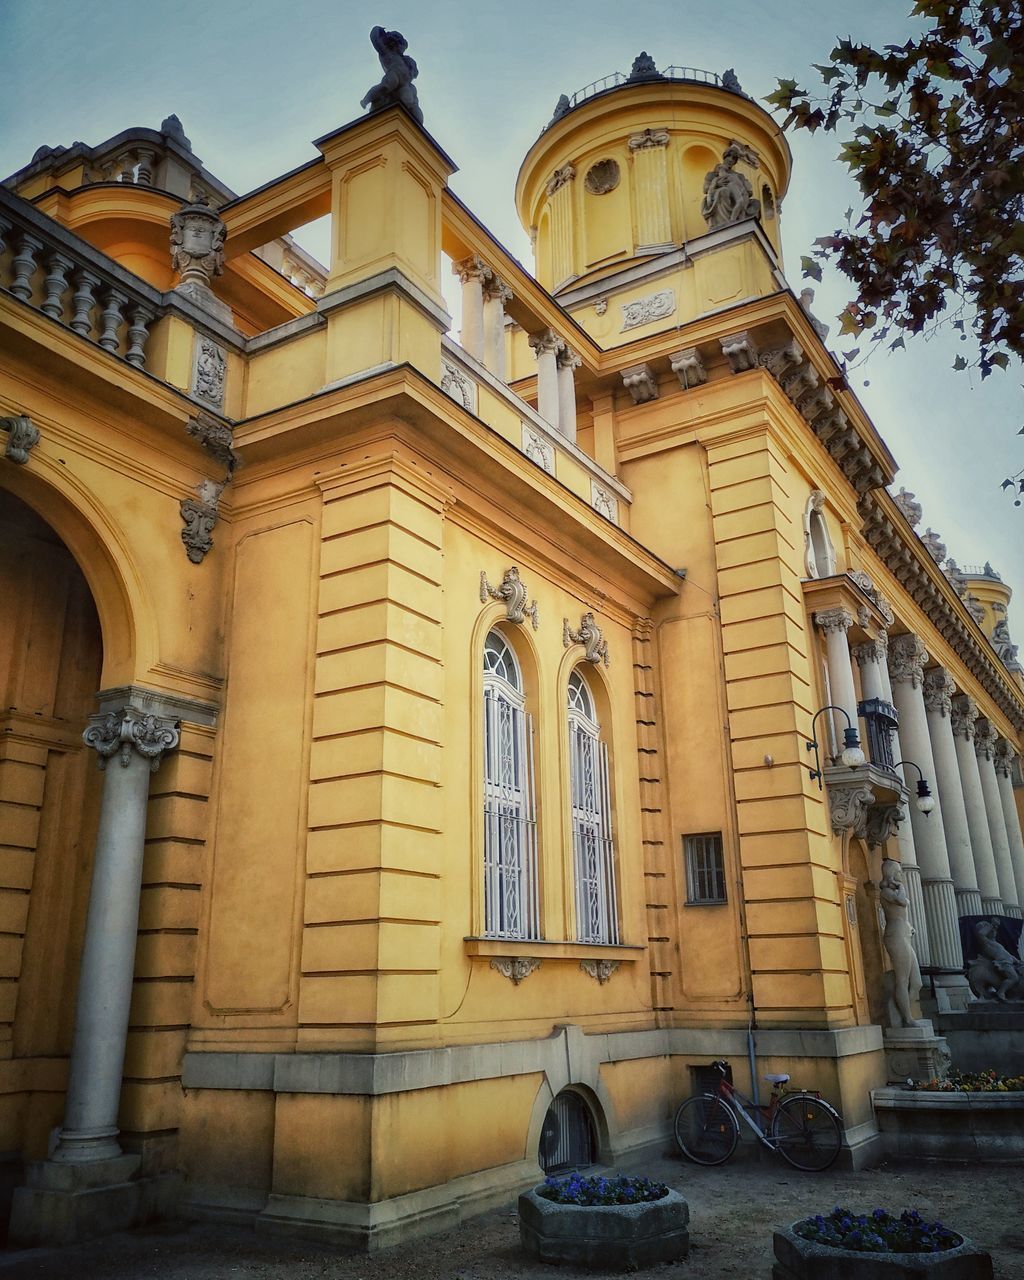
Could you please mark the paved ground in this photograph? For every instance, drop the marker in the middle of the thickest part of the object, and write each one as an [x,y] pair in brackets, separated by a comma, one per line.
[733,1210]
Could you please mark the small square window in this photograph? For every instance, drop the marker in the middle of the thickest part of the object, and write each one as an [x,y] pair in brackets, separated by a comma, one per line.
[705,869]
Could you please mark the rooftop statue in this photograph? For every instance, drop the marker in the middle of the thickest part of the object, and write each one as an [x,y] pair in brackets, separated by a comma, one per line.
[806,302]
[561,108]
[399,73]
[643,68]
[728,195]
[935,546]
[730,82]
[910,508]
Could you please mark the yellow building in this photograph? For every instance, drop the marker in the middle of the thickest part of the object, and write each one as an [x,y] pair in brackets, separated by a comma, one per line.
[455,698]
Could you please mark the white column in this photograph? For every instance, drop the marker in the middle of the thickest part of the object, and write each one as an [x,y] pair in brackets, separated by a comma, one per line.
[963,718]
[938,698]
[1005,756]
[496,295]
[472,272]
[567,361]
[835,623]
[907,656]
[130,743]
[985,745]
[546,346]
[872,657]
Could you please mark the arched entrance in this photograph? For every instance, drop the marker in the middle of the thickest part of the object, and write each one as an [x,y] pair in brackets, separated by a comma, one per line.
[568,1138]
[51,657]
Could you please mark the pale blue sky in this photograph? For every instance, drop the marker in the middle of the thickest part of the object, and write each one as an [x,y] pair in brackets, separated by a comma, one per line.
[254,81]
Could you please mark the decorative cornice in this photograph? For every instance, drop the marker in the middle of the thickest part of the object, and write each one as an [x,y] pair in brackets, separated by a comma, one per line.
[131,730]
[964,716]
[938,691]
[907,656]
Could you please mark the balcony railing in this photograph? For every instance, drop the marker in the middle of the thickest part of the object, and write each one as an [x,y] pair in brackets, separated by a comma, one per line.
[880,719]
[73,283]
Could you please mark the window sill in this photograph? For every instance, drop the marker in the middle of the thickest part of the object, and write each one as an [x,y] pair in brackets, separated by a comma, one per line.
[541,949]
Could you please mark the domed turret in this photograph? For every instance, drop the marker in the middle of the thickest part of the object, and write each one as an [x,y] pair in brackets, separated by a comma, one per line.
[635,166]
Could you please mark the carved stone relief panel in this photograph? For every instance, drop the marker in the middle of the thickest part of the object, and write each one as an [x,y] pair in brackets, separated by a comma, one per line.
[602,177]
[655,306]
[456,384]
[538,449]
[209,369]
[603,502]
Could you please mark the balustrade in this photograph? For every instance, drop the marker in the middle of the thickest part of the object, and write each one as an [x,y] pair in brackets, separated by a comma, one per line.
[74,284]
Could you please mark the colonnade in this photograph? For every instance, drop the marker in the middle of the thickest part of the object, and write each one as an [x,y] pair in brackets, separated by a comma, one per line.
[965,857]
[484,299]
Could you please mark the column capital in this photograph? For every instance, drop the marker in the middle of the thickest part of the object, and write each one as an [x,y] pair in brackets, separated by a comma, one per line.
[907,656]
[131,729]
[872,650]
[496,290]
[833,620]
[649,140]
[566,358]
[471,268]
[546,342]
[938,691]
[1005,756]
[985,736]
[963,716]
[559,178]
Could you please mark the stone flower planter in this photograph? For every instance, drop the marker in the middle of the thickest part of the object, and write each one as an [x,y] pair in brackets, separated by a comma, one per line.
[606,1236]
[800,1259]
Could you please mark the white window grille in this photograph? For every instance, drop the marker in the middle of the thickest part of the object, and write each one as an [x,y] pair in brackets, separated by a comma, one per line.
[597,916]
[511,907]
[705,869]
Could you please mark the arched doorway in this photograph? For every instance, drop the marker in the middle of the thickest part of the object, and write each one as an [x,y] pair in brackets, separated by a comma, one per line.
[568,1137]
[50,669]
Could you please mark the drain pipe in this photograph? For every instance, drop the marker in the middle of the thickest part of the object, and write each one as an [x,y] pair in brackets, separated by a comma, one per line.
[755,1091]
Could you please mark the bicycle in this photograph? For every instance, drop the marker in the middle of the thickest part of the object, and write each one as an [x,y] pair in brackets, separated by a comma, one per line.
[800,1126]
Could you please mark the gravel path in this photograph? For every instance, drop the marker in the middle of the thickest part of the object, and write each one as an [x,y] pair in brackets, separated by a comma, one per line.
[733,1210]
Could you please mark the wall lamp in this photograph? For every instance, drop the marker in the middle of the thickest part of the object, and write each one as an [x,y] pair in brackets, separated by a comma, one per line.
[925,801]
[851,755]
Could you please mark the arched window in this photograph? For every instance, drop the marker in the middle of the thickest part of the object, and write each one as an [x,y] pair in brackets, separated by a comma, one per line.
[511,908]
[820,554]
[593,849]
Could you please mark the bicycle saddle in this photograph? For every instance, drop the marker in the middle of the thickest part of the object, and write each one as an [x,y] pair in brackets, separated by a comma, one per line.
[777,1079]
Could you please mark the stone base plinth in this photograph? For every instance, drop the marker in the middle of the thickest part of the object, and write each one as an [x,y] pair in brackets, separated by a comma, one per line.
[62,1203]
[986,1036]
[916,1053]
[985,1127]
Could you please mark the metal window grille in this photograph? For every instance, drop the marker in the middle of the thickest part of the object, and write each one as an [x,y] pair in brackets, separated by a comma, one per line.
[511,904]
[593,849]
[567,1138]
[705,869]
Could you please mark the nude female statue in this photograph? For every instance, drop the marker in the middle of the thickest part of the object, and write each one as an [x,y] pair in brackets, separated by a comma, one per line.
[728,195]
[399,73]
[898,942]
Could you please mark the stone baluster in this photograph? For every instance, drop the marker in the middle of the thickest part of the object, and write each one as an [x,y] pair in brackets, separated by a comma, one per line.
[963,718]
[496,296]
[985,737]
[111,319]
[907,657]
[835,623]
[1005,756]
[938,699]
[23,265]
[147,158]
[138,333]
[55,285]
[546,346]
[566,362]
[126,167]
[472,273]
[83,300]
[649,150]
[130,744]
[872,658]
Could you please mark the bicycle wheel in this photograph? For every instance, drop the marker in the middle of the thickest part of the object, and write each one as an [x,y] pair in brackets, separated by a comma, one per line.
[807,1133]
[706,1130]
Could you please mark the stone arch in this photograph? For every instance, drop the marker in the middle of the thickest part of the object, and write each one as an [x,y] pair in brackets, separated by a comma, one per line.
[597,1101]
[819,551]
[127,619]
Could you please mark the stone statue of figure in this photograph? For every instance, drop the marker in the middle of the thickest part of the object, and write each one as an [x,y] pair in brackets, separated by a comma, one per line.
[897,939]
[995,971]
[728,195]
[399,73]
